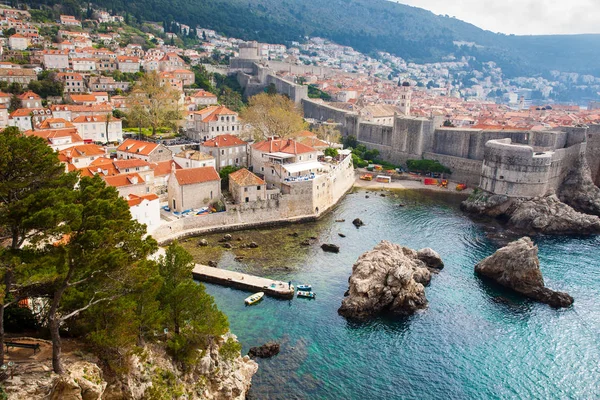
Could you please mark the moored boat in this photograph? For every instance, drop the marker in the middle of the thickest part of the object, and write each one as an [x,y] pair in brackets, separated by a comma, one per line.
[304,288]
[310,295]
[255,298]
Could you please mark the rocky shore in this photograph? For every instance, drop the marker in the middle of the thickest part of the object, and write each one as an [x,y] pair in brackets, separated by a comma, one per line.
[546,214]
[151,374]
[517,267]
[389,278]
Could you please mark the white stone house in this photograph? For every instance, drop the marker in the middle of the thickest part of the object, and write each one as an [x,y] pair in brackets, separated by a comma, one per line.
[145,209]
[99,128]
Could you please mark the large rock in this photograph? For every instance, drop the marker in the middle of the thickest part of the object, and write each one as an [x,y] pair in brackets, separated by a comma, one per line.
[546,214]
[357,222]
[267,350]
[431,258]
[82,381]
[517,267]
[388,278]
[330,247]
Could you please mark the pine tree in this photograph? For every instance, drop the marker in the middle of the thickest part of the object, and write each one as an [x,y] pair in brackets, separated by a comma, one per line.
[33,200]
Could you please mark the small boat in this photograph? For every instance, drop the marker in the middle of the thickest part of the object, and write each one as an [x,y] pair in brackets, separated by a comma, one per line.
[255,298]
[366,177]
[310,295]
[340,220]
[304,288]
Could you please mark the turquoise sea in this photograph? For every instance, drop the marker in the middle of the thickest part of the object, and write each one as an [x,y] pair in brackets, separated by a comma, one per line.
[475,341]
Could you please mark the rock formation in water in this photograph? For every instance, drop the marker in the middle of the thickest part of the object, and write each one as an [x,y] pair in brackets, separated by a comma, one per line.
[531,216]
[152,374]
[517,267]
[389,278]
[267,350]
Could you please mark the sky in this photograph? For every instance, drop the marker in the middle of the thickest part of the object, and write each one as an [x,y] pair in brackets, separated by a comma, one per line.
[520,17]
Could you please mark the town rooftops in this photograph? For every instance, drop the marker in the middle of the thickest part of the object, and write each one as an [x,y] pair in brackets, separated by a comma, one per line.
[287,146]
[193,176]
[224,141]
[134,200]
[203,93]
[212,113]
[55,123]
[243,177]
[29,95]
[82,98]
[82,150]
[163,168]
[131,163]
[137,147]
[194,155]
[82,119]
[124,180]
[51,134]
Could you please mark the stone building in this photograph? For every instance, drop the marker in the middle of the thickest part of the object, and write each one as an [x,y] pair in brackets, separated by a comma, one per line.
[147,151]
[18,75]
[280,160]
[245,187]
[99,128]
[194,159]
[212,121]
[193,188]
[227,150]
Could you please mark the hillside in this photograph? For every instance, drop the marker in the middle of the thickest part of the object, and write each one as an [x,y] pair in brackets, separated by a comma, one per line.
[369,25]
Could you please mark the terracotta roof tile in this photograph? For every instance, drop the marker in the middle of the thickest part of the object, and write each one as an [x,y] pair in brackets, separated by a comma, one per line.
[192,176]
[224,141]
[243,177]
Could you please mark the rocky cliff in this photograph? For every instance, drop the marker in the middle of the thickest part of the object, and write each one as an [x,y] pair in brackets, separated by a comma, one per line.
[389,278]
[151,374]
[532,216]
[574,209]
[517,267]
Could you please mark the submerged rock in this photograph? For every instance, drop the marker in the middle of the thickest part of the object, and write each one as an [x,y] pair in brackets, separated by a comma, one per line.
[330,247]
[341,235]
[212,264]
[305,242]
[357,222]
[536,215]
[267,350]
[252,245]
[388,278]
[203,243]
[517,267]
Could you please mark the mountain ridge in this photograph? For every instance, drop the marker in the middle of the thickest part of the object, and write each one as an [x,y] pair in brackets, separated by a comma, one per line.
[413,33]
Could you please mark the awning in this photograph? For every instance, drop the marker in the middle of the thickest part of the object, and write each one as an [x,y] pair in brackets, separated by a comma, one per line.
[280,155]
[303,166]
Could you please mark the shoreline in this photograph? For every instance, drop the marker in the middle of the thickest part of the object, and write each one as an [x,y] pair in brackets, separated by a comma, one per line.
[358,184]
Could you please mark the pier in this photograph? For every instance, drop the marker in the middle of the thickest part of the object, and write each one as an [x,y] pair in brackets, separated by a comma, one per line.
[243,281]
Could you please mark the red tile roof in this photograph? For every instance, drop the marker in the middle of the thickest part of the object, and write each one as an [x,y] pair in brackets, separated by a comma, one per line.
[243,177]
[134,200]
[82,150]
[131,163]
[124,180]
[283,145]
[137,147]
[49,134]
[224,141]
[162,168]
[192,176]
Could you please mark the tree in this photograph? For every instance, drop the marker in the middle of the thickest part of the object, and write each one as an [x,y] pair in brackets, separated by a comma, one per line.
[96,261]
[273,115]
[224,175]
[191,312]
[108,118]
[15,103]
[153,103]
[329,133]
[331,152]
[271,89]
[33,190]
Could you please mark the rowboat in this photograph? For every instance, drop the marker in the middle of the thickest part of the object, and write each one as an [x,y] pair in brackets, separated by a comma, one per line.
[310,295]
[255,298]
[304,288]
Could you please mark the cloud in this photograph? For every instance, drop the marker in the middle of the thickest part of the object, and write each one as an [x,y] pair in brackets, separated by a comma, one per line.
[521,17]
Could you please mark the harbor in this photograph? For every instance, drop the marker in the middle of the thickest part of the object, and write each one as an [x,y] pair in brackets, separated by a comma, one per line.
[243,281]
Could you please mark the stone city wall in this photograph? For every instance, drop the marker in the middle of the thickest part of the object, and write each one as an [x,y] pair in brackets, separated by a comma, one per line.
[593,152]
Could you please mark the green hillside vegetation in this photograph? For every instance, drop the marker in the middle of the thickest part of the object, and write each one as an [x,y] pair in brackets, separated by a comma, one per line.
[367,25]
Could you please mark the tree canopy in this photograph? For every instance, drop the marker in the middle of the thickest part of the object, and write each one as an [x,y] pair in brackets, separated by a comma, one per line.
[273,115]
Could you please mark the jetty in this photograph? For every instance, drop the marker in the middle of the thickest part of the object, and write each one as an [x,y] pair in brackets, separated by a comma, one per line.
[243,281]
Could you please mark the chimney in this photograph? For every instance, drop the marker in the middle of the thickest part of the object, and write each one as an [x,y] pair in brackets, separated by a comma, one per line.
[172,166]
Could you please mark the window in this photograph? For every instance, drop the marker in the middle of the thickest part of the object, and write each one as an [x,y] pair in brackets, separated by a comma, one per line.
[258,188]
[245,189]
[247,200]
[222,151]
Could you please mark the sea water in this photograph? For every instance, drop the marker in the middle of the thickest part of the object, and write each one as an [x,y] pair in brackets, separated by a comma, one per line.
[474,341]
